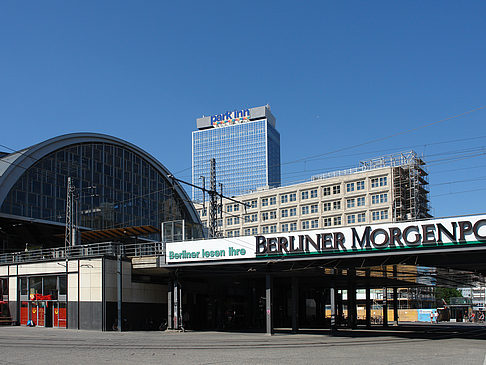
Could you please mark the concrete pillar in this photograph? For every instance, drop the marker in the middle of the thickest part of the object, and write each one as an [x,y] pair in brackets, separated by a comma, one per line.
[385,300]
[295,304]
[385,307]
[119,286]
[332,297]
[395,298]
[268,304]
[368,307]
[170,305]
[368,299]
[175,293]
[395,306]
[352,310]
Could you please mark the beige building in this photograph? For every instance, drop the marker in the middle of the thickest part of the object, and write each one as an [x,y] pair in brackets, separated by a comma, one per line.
[387,189]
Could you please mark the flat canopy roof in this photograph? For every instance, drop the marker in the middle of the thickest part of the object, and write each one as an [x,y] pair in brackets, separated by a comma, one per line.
[117,233]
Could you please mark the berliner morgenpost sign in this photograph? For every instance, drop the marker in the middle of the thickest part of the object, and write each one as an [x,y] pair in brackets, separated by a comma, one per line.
[367,239]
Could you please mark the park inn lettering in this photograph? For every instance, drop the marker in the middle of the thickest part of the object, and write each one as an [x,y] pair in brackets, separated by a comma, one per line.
[379,237]
[230,115]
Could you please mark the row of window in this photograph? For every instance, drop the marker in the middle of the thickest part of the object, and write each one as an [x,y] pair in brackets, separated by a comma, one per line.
[310,209]
[312,194]
[313,223]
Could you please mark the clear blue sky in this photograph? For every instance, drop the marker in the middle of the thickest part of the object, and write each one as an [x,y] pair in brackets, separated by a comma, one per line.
[336,74]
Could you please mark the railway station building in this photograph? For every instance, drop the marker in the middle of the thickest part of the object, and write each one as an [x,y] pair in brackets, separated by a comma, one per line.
[124,270]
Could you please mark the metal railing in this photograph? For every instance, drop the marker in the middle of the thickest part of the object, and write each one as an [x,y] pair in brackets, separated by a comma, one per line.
[81,251]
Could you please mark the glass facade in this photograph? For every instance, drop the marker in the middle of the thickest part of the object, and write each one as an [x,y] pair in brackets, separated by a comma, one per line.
[247,157]
[115,187]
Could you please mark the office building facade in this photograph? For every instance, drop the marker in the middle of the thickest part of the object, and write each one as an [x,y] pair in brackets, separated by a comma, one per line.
[387,189]
[245,146]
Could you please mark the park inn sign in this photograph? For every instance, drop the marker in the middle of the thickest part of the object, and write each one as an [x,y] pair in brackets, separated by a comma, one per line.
[367,239]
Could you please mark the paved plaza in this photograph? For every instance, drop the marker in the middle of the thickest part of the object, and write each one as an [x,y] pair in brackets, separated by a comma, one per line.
[407,344]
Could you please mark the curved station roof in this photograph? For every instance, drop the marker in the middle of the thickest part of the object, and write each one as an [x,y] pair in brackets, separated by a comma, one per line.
[116,183]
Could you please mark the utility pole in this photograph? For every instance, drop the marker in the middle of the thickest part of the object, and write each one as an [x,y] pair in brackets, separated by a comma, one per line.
[213,194]
[213,205]
[69,237]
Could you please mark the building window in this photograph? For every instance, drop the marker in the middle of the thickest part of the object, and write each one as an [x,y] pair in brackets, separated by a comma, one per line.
[204,212]
[326,191]
[264,202]
[336,189]
[292,197]
[350,203]
[236,208]
[326,207]
[219,222]
[284,213]
[273,228]
[327,222]
[284,227]
[264,216]
[351,219]
[273,214]
[379,181]
[251,218]
[293,212]
[379,215]
[361,217]
[305,225]
[337,221]
[229,208]
[229,234]
[253,203]
[305,209]
[313,193]
[314,208]
[379,198]
[336,205]
[273,200]
[293,226]
[237,220]
[360,201]
[315,223]
[284,198]
[305,195]
[247,231]
[254,230]
[360,185]
[349,187]
[265,229]
[229,221]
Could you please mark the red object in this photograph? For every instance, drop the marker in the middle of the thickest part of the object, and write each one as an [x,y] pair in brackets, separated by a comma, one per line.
[40,297]
[24,313]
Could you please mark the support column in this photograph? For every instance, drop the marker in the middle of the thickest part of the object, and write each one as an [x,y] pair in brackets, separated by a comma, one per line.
[352,310]
[268,304]
[368,299]
[332,297]
[119,274]
[395,298]
[176,305]
[385,300]
[170,305]
[395,306]
[295,304]
[385,307]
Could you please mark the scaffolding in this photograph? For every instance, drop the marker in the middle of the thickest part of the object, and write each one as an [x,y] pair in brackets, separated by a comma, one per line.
[409,177]
[410,196]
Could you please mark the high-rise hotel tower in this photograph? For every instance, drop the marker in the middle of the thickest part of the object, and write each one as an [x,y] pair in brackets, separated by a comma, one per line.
[246,147]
